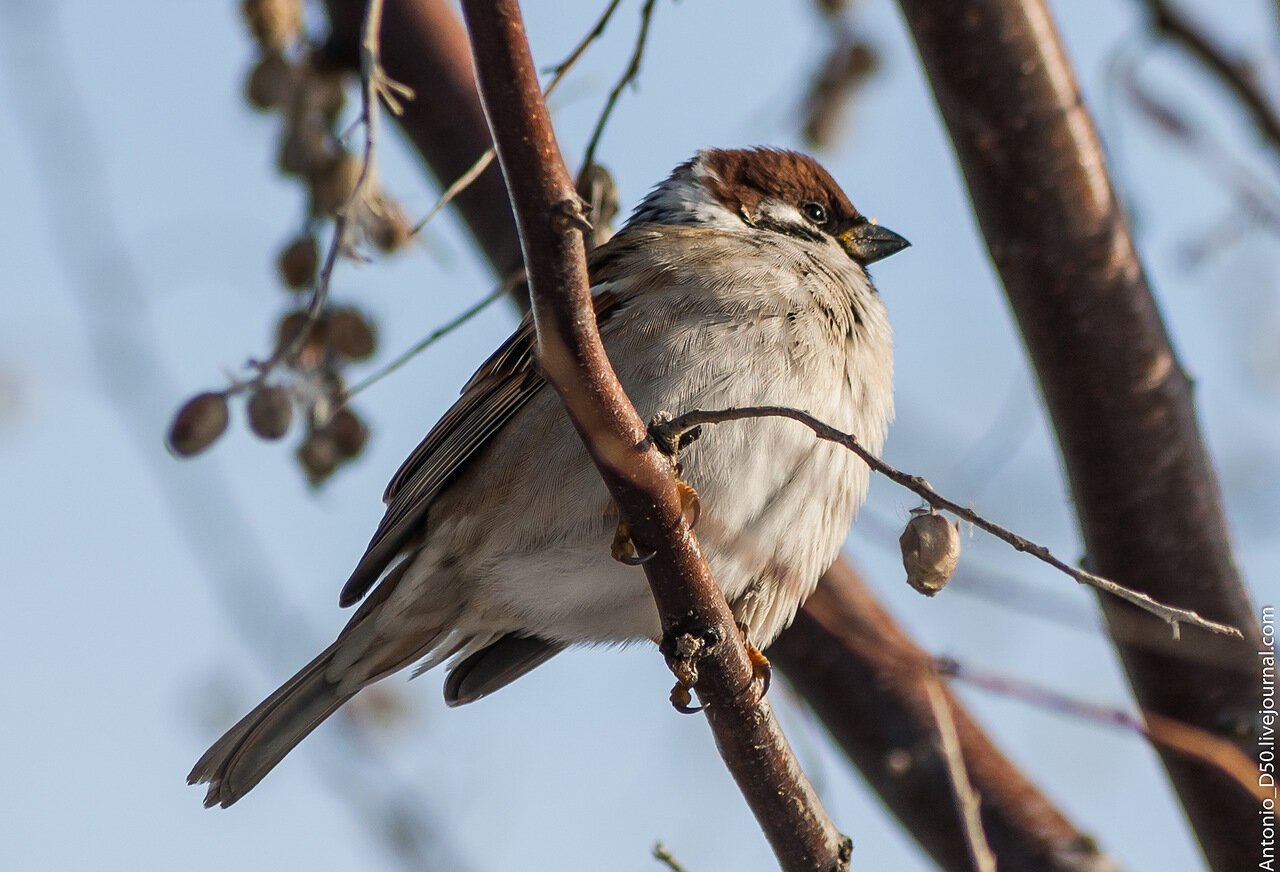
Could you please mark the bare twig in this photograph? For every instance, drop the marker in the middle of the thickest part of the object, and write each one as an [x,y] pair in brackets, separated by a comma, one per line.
[628,76]
[671,430]
[1158,730]
[640,480]
[968,803]
[482,163]
[436,335]
[1236,76]
[665,857]
[375,86]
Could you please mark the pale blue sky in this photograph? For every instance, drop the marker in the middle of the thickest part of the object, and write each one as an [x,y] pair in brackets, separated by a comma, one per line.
[123,660]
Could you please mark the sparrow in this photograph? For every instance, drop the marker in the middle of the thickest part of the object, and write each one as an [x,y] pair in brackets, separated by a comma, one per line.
[739,280]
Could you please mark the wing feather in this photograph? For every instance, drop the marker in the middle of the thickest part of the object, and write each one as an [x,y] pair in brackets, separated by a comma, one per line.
[500,387]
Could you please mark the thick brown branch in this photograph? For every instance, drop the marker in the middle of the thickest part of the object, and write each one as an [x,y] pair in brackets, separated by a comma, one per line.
[869,683]
[549,218]
[1145,493]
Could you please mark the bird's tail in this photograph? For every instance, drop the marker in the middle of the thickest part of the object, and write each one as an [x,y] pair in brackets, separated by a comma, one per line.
[253,747]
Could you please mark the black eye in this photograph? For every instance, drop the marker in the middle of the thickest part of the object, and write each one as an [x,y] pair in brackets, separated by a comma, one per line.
[815,212]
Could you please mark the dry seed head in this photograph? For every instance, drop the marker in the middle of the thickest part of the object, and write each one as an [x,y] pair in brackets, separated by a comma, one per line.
[270,411]
[298,263]
[273,23]
[325,93]
[389,228]
[351,335]
[269,82]
[305,148]
[198,424]
[930,552]
[348,433]
[331,186]
[318,456]
[313,348]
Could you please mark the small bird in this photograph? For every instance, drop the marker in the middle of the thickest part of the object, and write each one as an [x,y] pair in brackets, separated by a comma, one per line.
[740,280]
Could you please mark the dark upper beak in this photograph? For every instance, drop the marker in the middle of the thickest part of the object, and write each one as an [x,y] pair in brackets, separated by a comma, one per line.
[867,242]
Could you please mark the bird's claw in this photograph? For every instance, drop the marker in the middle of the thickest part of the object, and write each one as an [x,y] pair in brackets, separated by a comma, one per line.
[624,548]
[761,668]
[683,650]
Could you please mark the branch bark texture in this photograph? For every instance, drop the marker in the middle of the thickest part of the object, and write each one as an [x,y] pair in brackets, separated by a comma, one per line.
[1145,493]
[549,217]
[869,683]
[869,703]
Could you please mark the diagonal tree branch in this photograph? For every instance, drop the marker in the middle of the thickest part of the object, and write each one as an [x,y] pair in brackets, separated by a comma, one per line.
[872,706]
[869,683]
[1145,493]
[571,355]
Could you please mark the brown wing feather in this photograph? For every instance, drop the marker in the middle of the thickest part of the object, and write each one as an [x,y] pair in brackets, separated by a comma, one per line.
[504,383]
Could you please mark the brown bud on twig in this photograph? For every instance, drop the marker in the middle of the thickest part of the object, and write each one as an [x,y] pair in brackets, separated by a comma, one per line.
[269,82]
[305,149]
[351,335]
[316,345]
[388,227]
[198,424]
[273,23]
[325,93]
[298,263]
[930,551]
[318,456]
[270,411]
[348,433]
[332,185]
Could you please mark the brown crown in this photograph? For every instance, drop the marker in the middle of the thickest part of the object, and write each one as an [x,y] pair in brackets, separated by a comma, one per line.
[742,177]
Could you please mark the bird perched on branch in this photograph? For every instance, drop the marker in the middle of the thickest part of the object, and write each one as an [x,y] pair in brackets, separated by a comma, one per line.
[740,280]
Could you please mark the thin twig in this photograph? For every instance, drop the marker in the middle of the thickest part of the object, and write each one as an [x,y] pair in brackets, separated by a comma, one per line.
[375,86]
[671,431]
[1158,729]
[967,801]
[434,336]
[628,76]
[663,856]
[1235,75]
[560,70]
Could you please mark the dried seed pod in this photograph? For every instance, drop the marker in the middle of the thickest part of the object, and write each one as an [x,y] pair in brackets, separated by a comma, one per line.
[270,411]
[318,456]
[198,424]
[597,188]
[316,345]
[350,334]
[389,228]
[332,185]
[269,82]
[348,433]
[325,93]
[298,263]
[273,23]
[305,149]
[930,552]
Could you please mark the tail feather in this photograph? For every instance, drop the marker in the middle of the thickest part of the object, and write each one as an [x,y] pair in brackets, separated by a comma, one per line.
[253,747]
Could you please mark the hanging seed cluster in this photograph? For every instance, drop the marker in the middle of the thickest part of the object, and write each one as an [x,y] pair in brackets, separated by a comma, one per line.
[303,377]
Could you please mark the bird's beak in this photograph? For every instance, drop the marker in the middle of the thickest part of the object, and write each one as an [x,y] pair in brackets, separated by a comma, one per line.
[866,242]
